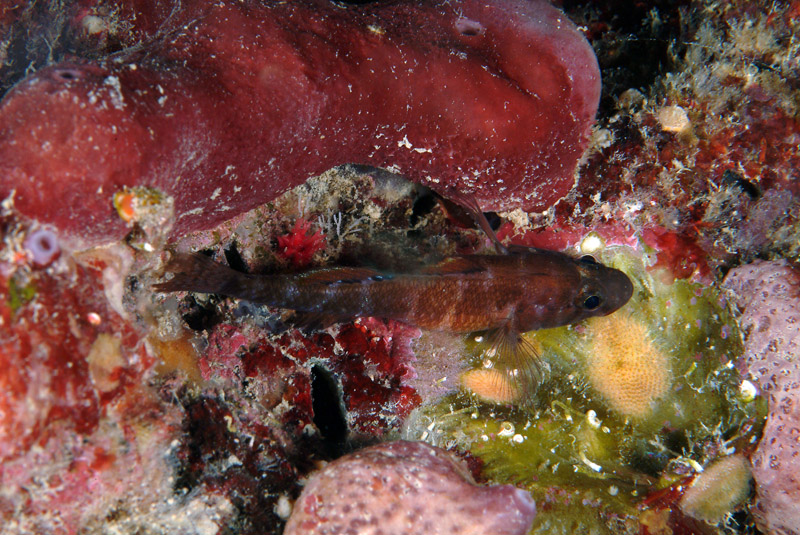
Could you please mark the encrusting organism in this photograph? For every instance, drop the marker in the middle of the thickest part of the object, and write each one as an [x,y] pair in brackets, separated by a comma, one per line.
[626,367]
[404,487]
[43,247]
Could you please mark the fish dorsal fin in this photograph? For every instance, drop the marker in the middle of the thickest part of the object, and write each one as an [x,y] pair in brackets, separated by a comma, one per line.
[470,204]
[342,275]
[455,265]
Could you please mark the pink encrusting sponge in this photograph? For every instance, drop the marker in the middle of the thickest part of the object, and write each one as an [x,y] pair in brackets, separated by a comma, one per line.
[768,296]
[402,487]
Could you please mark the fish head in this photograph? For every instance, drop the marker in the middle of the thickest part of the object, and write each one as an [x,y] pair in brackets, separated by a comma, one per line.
[559,289]
[602,289]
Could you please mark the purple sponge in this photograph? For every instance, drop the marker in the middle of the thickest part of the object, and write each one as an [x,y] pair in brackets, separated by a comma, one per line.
[768,295]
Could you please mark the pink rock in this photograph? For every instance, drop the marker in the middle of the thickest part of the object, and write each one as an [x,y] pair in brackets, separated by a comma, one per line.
[396,488]
[228,104]
[768,293]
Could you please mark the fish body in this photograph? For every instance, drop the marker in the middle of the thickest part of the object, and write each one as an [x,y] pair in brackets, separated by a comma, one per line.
[519,291]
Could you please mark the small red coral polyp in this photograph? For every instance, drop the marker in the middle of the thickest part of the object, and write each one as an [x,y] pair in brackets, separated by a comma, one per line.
[228,104]
[300,245]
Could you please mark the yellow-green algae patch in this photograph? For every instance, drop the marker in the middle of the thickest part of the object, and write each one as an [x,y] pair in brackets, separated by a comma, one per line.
[19,295]
[627,405]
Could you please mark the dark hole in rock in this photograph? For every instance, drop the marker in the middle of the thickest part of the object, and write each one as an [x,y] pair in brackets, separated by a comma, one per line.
[68,74]
[423,205]
[198,317]
[494,220]
[234,258]
[329,415]
[732,179]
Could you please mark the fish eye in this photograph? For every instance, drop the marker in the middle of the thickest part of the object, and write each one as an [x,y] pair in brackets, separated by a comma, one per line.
[592,302]
[587,259]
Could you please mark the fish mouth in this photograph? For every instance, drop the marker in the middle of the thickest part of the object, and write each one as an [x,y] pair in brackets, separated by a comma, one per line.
[619,290]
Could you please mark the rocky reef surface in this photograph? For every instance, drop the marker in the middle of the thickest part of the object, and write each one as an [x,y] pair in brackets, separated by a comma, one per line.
[131,130]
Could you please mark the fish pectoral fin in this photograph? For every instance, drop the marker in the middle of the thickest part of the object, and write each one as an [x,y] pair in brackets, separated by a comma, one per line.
[516,356]
[342,275]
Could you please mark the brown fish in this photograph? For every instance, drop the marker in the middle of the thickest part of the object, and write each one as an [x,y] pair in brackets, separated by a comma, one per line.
[506,294]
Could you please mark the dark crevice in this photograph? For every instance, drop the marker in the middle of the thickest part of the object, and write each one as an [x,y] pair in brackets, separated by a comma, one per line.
[732,179]
[423,205]
[329,414]
[198,317]
[234,258]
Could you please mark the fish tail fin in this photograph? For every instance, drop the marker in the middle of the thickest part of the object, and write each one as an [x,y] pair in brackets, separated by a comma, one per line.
[198,273]
[516,357]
